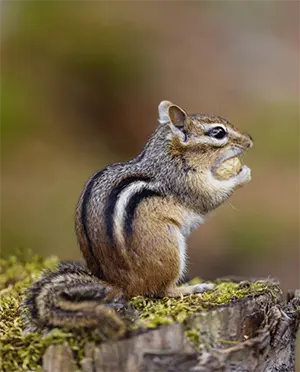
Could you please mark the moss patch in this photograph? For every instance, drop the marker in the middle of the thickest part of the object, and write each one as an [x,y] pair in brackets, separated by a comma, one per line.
[155,312]
[19,352]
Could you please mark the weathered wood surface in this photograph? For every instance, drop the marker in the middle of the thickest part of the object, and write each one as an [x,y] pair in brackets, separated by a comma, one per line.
[256,335]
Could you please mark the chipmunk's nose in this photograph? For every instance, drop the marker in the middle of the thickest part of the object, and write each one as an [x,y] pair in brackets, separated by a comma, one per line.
[250,141]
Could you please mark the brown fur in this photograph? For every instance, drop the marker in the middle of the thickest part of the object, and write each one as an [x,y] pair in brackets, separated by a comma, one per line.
[153,252]
[148,262]
[132,219]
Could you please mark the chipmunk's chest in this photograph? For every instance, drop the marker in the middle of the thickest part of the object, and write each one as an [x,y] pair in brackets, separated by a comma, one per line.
[191,221]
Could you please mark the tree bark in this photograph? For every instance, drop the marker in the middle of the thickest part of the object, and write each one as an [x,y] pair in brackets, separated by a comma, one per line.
[256,335]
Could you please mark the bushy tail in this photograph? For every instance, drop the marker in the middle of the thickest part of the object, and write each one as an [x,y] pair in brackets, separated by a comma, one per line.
[71,297]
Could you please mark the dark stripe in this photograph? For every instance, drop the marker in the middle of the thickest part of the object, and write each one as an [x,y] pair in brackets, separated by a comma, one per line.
[85,201]
[109,208]
[64,268]
[112,200]
[133,204]
[87,197]
[91,294]
[31,294]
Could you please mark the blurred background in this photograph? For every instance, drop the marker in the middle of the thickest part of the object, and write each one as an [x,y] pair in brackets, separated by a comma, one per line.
[81,82]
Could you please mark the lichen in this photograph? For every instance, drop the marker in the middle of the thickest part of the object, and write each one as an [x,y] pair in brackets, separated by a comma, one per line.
[22,352]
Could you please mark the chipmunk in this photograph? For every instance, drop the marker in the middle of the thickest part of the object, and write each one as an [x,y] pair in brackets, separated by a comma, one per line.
[133,219]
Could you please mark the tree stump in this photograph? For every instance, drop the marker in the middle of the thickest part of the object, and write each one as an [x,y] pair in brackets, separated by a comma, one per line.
[256,334]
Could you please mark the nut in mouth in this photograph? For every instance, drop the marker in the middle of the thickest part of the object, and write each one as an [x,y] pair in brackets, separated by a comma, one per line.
[228,165]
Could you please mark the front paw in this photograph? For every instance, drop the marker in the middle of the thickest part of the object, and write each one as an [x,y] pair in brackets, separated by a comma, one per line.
[203,287]
[244,176]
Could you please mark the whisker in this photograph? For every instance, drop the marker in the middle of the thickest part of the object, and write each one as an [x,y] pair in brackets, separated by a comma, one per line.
[232,206]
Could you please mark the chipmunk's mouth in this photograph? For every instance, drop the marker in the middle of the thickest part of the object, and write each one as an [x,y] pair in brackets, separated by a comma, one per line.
[228,165]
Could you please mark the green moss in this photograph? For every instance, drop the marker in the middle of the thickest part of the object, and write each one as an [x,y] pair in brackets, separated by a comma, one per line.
[22,352]
[19,351]
[155,312]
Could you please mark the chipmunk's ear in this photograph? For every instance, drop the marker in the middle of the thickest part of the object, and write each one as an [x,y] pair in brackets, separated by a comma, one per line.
[177,116]
[163,112]
[171,114]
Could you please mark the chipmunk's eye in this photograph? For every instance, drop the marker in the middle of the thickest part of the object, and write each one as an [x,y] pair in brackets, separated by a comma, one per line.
[217,132]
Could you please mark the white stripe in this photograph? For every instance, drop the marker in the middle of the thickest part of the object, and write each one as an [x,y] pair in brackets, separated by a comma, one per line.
[213,125]
[120,207]
[233,133]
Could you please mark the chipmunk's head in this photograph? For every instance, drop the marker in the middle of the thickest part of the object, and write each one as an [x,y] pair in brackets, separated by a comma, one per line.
[209,145]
